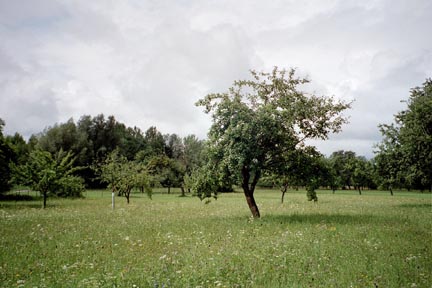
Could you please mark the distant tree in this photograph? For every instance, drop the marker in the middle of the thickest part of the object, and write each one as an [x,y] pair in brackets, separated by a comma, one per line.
[300,167]
[194,153]
[19,147]
[192,158]
[123,175]
[49,174]
[343,164]
[308,169]
[110,170]
[7,156]
[332,180]
[258,120]
[168,172]
[404,156]
[389,160]
[203,183]
[155,143]
[131,141]
[360,174]
[32,143]
[174,147]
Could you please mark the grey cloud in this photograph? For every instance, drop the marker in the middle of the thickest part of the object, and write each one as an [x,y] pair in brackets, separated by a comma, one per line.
[148,62]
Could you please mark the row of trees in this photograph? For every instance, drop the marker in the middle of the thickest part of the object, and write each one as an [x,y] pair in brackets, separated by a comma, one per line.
[257,138]
[93,145]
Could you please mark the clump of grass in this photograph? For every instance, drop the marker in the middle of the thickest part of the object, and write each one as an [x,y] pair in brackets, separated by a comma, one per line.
[372,240]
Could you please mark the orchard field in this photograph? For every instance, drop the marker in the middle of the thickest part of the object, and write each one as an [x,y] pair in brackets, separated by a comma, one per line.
[344,240]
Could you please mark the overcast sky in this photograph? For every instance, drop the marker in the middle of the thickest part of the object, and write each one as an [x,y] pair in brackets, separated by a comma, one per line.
[148,62]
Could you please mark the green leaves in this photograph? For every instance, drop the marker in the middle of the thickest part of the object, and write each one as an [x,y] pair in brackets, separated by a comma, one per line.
[260,120]
[123,175]
[203,183]
[404,156]
[49,174]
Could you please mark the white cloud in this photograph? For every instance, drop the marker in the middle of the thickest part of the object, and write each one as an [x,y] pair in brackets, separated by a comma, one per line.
[148,62]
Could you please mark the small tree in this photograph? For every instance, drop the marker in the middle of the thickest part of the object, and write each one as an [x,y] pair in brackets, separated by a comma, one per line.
[168,172]
[203,183]
[122,175]
[50,174]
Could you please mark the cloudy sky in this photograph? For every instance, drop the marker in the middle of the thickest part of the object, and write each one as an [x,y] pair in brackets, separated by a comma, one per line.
[148,62]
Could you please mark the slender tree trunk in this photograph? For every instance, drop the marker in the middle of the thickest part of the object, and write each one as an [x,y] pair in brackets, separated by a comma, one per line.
[169,189]
[45,196]
[284,188]
[252,205]
[359,189]
[183,193]
[391,191]
[249,191]
[127,193]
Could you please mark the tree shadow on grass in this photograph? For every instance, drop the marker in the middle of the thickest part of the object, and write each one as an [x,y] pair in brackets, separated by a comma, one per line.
[324,219]
[17,197]
[417,205]
[23,205]
[16,201]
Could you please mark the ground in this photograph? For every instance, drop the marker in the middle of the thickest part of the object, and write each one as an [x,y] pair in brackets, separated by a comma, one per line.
[344,240]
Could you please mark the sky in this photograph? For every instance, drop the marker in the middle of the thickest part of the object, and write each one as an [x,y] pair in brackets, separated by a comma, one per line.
[148,62]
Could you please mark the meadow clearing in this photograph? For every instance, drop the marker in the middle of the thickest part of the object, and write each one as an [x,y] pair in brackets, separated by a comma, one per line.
[344,240]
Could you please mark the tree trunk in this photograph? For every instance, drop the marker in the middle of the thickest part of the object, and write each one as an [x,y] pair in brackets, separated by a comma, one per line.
[359,189]
[284,188]
[169,189]
[127,193]
[252,205]
[45,196]
[391,191]
[249,191]
[183,193]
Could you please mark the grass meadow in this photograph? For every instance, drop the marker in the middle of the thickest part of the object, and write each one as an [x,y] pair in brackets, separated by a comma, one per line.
[344,240]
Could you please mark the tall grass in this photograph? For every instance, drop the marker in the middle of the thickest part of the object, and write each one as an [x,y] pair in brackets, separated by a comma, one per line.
[344,240]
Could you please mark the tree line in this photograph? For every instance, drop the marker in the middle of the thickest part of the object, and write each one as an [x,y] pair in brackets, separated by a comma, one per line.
[257,138]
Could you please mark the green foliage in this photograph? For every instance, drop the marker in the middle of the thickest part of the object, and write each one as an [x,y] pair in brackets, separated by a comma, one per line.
[7,156]
[123,175]
[259,121]
[194,154]
[404,156]
[91,140]
[203,183]
[348,170]
[168,172]
[49,174]
[343,163]
[19,147]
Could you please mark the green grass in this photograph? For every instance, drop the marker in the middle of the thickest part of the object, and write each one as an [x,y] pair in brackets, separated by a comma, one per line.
[344,240]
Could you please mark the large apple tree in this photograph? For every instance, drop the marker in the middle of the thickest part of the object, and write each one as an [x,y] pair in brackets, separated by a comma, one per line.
[258,121]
